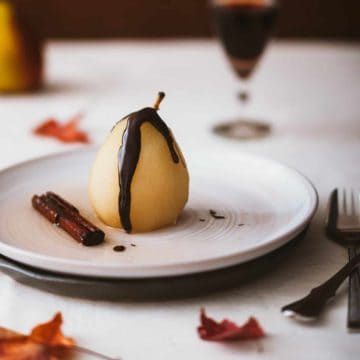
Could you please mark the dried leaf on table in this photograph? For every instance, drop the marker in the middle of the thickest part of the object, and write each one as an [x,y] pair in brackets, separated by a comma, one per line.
[46,342]
[227,330]
[68,132]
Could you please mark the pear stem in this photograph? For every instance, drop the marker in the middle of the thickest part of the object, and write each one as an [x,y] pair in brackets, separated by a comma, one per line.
[158,101]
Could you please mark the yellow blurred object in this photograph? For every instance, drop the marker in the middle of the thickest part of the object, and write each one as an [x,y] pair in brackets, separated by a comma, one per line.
[20,53]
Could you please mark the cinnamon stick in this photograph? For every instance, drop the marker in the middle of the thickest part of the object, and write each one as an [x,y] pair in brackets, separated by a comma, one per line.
[63,214]
[67,207]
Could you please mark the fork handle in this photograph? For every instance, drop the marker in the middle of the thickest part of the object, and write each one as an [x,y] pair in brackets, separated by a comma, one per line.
[311,305]
[353,321]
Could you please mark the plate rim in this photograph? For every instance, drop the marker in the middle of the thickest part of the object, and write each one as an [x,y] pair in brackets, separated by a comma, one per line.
[44,262]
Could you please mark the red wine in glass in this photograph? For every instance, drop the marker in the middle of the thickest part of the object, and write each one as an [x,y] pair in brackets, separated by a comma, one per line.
[244,28]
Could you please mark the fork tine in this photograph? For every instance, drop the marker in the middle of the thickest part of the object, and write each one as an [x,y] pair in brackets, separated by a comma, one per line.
[341,201]
[345,209]
[357,203]
[352,202]
[333,211]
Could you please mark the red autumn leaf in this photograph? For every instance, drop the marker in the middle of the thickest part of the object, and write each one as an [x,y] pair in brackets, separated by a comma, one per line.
[68,132]
[46,342]
[47,128]
[50,333]
[227,330]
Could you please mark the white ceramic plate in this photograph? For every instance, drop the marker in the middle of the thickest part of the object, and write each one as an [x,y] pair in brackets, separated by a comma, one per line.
[273,202]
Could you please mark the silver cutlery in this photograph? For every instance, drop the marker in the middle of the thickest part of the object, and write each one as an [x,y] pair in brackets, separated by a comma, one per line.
[343,225]
[346,208]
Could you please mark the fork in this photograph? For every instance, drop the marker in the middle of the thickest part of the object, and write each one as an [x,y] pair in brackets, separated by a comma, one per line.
[343,226]
[348,225]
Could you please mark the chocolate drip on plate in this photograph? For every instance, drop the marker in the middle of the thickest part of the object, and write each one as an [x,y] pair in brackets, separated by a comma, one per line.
[129,154]
[119,248]
[214,214]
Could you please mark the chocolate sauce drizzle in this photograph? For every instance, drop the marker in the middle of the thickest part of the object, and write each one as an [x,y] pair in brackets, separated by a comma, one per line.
[213,213]
[129,154]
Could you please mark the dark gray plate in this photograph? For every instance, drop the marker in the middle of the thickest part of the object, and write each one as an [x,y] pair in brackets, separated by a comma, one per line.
[145,289]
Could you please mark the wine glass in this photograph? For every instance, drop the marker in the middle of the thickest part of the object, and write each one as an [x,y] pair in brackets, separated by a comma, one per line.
[244,28]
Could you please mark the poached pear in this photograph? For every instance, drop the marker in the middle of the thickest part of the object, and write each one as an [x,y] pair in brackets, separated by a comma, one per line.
[20,53]
[139,180]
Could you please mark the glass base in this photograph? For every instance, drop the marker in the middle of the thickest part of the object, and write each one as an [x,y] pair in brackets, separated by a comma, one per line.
[243,129]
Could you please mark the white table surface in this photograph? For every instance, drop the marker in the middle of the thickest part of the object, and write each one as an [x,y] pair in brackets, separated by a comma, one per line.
[310,92]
